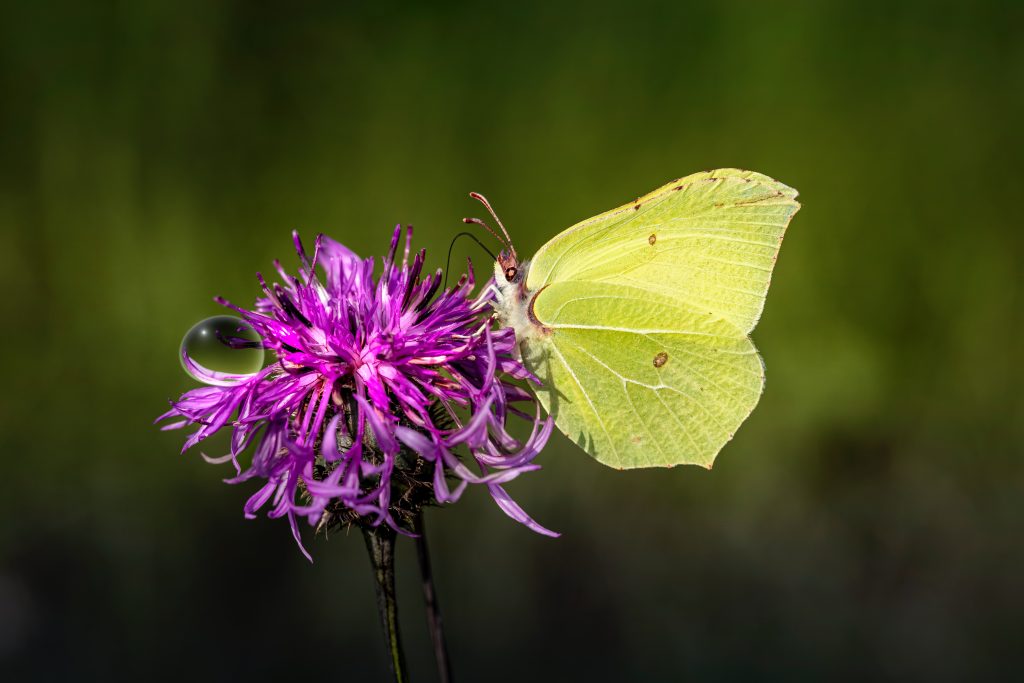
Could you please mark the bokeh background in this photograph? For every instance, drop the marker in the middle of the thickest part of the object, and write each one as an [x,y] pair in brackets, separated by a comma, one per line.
[864,524]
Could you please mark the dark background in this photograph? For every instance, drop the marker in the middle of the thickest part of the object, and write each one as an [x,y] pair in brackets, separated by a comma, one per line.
[866,520]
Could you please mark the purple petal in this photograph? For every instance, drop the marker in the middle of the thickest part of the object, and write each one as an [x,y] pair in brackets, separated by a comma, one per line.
[512,509]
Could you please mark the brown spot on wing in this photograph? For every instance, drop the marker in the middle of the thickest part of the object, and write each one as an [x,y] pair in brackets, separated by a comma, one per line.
[660,359]
[652,239]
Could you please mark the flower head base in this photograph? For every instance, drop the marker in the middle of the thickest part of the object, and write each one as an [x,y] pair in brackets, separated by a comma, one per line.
[385,395]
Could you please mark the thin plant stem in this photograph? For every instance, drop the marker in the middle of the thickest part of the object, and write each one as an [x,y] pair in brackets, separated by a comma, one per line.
[434,621]
[380,543]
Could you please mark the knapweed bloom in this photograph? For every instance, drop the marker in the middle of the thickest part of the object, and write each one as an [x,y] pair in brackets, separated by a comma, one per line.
[384,395]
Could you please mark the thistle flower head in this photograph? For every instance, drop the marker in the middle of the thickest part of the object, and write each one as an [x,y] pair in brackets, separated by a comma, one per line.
[384,395]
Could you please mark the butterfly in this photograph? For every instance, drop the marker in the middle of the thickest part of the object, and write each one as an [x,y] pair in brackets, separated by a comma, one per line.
[637,321]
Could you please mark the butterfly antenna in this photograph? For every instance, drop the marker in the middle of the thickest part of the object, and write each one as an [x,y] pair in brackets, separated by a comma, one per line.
[477,221]
[483,200]
[452,245]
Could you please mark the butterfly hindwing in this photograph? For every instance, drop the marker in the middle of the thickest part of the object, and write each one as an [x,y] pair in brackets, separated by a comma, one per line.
[656,383]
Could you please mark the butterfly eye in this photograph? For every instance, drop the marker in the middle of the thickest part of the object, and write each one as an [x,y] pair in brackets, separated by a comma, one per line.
[510,273]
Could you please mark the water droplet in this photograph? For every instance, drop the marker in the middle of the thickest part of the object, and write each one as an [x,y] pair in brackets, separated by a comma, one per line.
[222,351]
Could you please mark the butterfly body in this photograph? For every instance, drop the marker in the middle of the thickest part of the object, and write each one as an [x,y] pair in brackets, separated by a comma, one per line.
[636,321]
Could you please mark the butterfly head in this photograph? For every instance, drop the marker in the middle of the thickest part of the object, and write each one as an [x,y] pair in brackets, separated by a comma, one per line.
[509,270]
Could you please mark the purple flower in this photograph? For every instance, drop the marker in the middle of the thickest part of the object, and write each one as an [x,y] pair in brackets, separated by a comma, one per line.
[385,395]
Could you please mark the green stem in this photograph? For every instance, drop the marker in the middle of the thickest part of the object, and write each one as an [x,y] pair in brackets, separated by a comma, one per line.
[380,542]
[434,622]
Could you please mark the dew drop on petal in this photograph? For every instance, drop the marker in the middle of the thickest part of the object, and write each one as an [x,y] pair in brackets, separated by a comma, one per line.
[222,351]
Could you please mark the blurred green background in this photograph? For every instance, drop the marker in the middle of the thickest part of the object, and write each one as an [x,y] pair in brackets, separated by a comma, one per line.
[866,520]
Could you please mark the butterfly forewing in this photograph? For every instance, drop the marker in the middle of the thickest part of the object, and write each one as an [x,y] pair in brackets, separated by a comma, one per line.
[710,239]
